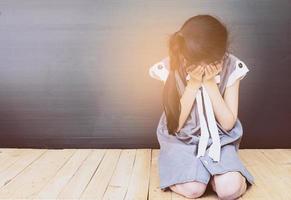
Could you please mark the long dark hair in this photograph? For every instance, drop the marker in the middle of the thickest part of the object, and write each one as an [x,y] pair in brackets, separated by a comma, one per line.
[201,38]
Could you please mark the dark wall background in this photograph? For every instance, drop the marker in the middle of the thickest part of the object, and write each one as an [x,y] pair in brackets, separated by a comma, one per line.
[74,73]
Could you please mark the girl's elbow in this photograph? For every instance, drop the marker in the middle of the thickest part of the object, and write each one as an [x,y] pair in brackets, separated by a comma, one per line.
[228,126]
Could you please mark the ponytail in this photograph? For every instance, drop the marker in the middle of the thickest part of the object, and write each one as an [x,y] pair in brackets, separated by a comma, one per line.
[171,96]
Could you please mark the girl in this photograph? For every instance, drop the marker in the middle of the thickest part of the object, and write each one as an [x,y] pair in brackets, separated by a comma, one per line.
[199,132]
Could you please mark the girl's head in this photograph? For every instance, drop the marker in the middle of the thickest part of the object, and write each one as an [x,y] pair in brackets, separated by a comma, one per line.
[202,39]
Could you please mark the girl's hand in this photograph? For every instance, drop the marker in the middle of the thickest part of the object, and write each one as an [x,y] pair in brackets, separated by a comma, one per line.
[211,71]
[196,74]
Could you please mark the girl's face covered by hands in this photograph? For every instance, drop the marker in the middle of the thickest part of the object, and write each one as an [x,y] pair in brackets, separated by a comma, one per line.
[209,70]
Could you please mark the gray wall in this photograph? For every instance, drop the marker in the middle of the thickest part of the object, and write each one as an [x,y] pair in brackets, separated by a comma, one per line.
[75,73]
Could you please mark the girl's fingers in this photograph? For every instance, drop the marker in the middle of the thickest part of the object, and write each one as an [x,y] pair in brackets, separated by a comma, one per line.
[196,70]
[220,68]
[213,69]
[208,69]
[201,71]
[191,69]
[204,70]
[200,67]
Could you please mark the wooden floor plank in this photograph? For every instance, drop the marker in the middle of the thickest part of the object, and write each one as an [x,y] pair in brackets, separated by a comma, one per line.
[23,160]
[9,150]
[100,180]
[278,170]
[139,182]
[249,157]
[82,177]
[9,156]
[265,178]
[277,156]
[260,187]
[120,179]
[58,182]
[30,180]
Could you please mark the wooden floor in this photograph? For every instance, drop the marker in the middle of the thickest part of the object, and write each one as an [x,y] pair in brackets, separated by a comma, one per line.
[122,174]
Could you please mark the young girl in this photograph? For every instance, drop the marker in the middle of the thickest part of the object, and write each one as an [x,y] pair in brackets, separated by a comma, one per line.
[199,131]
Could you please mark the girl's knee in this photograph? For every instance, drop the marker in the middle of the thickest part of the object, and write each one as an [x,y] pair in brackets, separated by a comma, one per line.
[191,189]
[230,185]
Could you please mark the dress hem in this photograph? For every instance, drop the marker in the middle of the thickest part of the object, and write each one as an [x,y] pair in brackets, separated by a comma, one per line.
[165,187]
[249,181]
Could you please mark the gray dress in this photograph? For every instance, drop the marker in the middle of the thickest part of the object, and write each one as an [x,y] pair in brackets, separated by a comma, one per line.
[177,161]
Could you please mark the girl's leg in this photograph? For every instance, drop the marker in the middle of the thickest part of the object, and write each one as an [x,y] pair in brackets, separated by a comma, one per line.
[212,183]
[193,189]
[230,185]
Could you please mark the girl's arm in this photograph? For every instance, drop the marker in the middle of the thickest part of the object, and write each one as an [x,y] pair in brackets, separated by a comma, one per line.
[187,101]
[226,107]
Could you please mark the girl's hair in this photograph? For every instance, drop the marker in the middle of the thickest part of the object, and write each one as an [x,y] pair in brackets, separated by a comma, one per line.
[201,38]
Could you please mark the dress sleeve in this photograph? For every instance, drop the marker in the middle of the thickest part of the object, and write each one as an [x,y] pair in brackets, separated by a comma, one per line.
[238,73]
[160,70]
